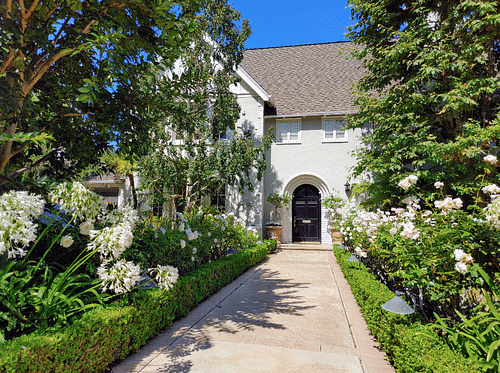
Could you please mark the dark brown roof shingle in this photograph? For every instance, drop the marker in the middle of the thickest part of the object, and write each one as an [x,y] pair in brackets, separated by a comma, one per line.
[306,79]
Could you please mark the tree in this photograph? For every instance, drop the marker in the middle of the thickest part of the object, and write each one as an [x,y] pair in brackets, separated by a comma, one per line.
[431,92]
[69,74]
[189,157]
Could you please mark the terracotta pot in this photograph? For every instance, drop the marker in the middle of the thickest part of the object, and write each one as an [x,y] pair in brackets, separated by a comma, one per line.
[274,233]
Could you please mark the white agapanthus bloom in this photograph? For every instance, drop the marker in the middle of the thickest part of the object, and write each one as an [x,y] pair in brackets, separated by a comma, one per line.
[119,277]
[166,276]
[194,250]
[191,235]
[393,231]
[18,209]
[492,213]
[183,244]
[66,241]
[490,159]
[112,241]
[77,199]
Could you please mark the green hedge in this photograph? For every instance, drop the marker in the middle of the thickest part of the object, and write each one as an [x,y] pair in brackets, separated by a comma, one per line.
[411,345]
[102,336]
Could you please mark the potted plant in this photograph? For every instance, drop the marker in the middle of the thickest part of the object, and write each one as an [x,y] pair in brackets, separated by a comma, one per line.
[274,227]
[335,204]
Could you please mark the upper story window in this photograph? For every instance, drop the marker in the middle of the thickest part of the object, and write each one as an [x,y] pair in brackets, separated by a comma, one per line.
[288,131]
[334,130]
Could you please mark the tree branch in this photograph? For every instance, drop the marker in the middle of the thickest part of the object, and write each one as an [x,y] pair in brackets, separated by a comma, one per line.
[16,173]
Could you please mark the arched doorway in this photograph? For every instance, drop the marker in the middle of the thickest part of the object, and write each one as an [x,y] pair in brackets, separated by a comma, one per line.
[306,214]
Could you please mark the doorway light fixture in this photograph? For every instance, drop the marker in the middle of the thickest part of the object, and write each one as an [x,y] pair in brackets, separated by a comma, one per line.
[347,186]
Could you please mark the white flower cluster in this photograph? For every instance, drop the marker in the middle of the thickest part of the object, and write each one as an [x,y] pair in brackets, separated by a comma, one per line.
[120,277]
[439,184]
[492,213]
[408,181]
[166,276]
[462,260]
[112,241]
[491,159]
[77,199]
[493,190]
[449,204]
[359,252]
[17,230]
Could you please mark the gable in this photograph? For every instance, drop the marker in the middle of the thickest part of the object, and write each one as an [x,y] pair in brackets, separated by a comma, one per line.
[305,79]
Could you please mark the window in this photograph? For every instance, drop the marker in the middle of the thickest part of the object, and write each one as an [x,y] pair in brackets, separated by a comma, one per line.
[288,132]
[334,130]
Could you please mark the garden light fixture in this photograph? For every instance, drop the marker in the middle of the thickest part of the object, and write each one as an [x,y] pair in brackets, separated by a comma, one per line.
[397,305]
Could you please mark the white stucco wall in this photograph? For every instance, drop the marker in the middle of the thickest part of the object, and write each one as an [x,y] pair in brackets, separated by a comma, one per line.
[249,206]
[322,164]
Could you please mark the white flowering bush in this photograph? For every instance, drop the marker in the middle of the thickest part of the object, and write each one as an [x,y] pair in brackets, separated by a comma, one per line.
[188,240]
[432,249]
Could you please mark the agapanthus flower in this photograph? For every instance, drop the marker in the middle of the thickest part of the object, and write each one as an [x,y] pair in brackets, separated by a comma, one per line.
[112,241]
[76,198]
[119,277]
[18,209]
[409,231]
[166,276]
[183,244]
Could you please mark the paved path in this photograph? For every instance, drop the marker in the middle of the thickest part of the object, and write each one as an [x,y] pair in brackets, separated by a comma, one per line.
[292,313]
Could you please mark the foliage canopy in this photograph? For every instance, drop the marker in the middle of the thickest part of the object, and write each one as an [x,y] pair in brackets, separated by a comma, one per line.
[431,91]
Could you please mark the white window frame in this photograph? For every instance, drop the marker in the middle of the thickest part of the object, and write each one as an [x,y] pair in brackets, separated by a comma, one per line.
[333,133]
[287,122]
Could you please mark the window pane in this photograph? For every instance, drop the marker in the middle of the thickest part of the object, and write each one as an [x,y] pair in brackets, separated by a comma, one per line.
[329,129]
[294,131]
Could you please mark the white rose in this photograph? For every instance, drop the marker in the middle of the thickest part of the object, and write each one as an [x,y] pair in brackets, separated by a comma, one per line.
[66,241]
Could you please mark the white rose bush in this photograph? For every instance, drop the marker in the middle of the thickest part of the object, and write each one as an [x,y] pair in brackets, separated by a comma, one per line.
[430,246]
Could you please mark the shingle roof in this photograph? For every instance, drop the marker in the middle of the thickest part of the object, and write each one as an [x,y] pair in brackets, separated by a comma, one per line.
[306,79]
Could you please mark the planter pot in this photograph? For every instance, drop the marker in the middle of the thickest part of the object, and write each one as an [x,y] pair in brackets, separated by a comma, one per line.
[274,233]
[336,235]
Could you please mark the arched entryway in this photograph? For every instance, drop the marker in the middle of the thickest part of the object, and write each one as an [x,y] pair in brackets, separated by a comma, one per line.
[306,214]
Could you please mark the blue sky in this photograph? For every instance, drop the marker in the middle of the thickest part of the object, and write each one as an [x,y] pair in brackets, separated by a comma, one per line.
[277,23]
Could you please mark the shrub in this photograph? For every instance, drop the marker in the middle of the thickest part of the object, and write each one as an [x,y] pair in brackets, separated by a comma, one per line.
[411,346]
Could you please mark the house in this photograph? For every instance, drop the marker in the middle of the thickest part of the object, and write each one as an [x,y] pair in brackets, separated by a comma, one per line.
[301,93]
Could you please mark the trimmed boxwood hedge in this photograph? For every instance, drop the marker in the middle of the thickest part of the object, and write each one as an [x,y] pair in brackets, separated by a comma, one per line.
[102,336]
[412,346]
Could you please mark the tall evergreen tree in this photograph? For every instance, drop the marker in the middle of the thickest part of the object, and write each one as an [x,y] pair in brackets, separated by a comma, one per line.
[431,93]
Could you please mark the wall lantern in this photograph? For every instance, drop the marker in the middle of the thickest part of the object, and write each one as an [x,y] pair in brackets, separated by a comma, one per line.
[397,305]
[347,186]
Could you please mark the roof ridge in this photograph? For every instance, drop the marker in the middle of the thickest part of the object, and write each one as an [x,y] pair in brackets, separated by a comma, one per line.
[301,45]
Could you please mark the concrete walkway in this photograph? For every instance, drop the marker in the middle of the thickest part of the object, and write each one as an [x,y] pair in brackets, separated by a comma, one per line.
[292,313]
